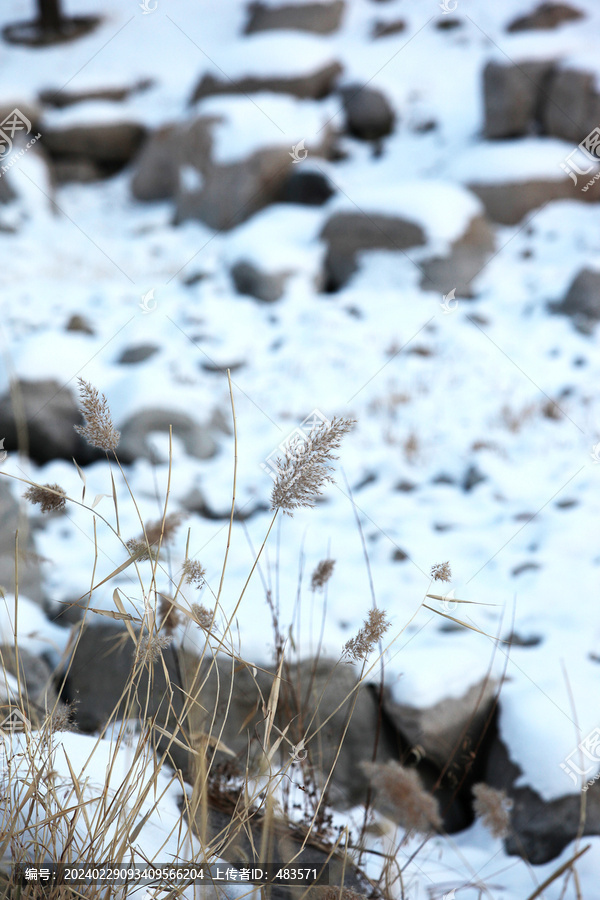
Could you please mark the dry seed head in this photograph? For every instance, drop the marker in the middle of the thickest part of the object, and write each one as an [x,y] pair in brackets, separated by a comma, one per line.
[369,635]
[152,645]
[202,616]
[194,573]
[493,808]
[401,795]
[441,572]
[98,430]
[153,531]
[50,497]
[322,574]
[306,467]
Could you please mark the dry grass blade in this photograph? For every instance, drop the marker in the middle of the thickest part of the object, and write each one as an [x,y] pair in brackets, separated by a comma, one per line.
[445,597]
[438,612]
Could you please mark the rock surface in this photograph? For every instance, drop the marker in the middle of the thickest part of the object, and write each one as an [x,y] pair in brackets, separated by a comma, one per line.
[252,281]
[318,18]
[38,418]
[513,98]
[200,438]
[314,85]
[540,830]
[466,258]
[348,233]
[30,576]
[582,301]
[369,115]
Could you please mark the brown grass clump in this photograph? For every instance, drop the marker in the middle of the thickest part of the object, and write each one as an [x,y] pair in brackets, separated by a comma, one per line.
[493,808]
[306,467]
[402,796]
[50,497]
[359,647]
[98,430]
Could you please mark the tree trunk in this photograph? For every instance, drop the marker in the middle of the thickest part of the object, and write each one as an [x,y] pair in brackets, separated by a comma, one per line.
[49,15]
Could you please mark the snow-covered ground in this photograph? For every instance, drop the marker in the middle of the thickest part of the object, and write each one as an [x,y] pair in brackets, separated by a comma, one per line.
[522,540]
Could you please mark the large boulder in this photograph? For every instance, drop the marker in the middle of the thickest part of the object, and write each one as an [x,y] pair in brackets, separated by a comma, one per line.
[513,97]
[543,97]
[37,694]
[106,145]
[12,519]
[223,196]
[348,233]
[319,18]
[572,105]
[582,300]
[545,17]
[38,418]
[540,829]
[254,282]
[199,437]
[222,186]
[369,115]
[156,171]
[313,85]
[508,202]
[466,258]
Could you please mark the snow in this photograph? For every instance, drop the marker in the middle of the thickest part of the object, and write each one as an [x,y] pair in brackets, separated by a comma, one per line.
[479,398]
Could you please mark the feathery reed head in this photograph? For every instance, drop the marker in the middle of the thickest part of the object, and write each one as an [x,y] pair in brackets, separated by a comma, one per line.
[493,808]
[401,795]
[441,572]
[306,466]
[322,574]
[202,616]
[98,430]
[359,647]
[50,497]
[194,573]
[142,546]
[152,645]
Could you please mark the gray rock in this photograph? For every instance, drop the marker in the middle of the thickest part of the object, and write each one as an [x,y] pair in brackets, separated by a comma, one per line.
[540,830]
[112,144]
[230,194]
[37,687]
[369,115]
[138,354]
[509,202]
[38,417]
[319,18]
[30,576]
[466,258]
[198,437]
[314,85]
[348,233]
[307,188]
[79,323]
[156,165]
[513,97]
[444,730]
[545,17]
[572,105]
[582,301]
[265,286]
